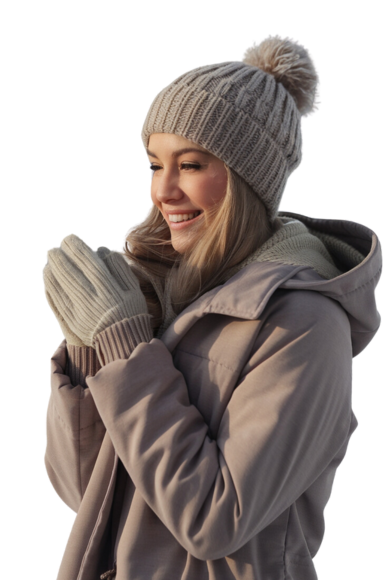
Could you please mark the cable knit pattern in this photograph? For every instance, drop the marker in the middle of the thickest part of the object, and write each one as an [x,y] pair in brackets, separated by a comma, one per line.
[293,244]
[245,113]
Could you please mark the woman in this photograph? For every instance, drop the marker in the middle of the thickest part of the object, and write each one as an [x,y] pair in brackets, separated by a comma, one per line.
[201,402]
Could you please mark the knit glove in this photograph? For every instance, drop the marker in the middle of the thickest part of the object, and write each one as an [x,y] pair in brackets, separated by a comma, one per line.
[90,291]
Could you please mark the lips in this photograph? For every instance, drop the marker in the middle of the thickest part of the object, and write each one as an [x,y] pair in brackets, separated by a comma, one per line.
[178,221]
[183,212]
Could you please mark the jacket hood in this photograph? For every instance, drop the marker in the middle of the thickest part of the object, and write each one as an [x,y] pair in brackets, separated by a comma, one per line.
[340,259]
[356,251]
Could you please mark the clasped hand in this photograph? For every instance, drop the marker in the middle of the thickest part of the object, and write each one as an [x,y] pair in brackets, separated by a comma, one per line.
[89,291]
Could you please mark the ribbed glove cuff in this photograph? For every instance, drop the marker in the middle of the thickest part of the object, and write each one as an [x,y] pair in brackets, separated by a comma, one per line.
[119,340]
[81,362]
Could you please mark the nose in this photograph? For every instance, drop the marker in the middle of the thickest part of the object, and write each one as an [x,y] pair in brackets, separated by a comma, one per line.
[166,187]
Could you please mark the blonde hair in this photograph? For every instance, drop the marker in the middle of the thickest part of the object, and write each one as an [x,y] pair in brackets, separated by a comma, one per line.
[232,230]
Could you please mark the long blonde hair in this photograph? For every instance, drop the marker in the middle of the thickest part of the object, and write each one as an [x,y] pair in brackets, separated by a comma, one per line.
[232,230]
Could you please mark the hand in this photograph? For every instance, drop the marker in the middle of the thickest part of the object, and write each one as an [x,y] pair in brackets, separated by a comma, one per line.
[89,291]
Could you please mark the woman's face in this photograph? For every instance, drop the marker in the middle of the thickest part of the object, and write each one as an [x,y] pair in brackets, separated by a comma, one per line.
[187,181]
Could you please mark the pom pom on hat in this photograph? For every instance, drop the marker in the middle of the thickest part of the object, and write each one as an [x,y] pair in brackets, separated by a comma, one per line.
[292,65]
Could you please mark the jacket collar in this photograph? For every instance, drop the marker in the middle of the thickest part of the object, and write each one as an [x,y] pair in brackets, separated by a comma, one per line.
[244,296]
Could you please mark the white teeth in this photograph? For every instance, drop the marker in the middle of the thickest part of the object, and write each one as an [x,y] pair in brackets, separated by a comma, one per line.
[182,217]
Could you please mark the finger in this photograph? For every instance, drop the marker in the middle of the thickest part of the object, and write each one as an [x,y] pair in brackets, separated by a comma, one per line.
[70,336]
[92,266]
[78,252]
[59,301]
[104,255]
[102,252]
[72,321]
[67,299]
[124,271]
[117,267]
[88,307]
[68,272]
[110,266]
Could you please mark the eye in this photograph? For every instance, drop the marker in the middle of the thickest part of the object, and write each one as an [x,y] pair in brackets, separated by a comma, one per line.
[154,168]
[190,166]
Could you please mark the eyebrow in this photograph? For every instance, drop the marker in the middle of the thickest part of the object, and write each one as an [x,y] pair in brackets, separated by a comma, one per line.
[179,152]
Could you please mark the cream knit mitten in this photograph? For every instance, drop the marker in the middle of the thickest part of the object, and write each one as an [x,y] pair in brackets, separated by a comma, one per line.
[90,292]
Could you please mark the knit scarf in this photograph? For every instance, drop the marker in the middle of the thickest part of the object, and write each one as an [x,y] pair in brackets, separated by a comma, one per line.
[293,244]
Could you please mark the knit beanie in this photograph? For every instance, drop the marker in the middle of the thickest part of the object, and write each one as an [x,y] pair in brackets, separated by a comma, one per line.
[246,113]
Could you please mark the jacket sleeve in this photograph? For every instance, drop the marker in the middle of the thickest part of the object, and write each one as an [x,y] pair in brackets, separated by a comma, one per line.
[74,427]
[74,433]
[288,417]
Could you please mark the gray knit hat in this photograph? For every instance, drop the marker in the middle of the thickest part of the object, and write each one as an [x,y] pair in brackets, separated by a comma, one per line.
[245,113]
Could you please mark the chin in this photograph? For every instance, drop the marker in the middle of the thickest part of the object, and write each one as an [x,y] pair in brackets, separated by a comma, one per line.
[181,248]
[182,245]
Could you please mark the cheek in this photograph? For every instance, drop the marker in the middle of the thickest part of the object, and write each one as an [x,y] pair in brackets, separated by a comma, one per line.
[210,191]
[221,184]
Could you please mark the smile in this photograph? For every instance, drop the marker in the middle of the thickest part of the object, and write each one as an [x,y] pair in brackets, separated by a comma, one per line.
[183,217]
[183,224]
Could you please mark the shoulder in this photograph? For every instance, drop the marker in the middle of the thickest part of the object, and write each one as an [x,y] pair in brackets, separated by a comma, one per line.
[306,326]
[303,354]
[302,309]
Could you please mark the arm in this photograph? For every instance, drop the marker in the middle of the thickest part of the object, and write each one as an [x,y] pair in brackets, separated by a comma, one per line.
[87,292]
[74,427]
[285,422]
[75,430]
